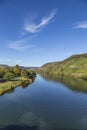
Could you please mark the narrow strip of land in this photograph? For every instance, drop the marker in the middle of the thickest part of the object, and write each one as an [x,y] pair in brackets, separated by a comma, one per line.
[10,78]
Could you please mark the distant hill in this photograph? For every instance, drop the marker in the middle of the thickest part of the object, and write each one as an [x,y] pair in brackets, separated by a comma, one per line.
[76,65]
[3,65]
[31,68]
[22,67]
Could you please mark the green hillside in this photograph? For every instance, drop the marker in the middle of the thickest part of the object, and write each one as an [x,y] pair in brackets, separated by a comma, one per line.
[76,65]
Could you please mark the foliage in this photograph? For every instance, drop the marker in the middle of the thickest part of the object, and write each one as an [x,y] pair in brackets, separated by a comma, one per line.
[17,70]
[11,77]
[24,73]
[75,65]
[6,69]
[9,73]
[31,74]
[1,73]
[8,76]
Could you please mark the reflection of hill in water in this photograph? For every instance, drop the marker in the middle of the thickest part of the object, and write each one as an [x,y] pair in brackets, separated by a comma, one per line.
[75,84]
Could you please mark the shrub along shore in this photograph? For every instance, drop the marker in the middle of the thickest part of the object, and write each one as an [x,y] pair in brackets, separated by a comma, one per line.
[12,77]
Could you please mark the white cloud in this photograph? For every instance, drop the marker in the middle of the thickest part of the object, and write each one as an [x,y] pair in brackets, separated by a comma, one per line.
[19,45]
[33,27]
[81,25]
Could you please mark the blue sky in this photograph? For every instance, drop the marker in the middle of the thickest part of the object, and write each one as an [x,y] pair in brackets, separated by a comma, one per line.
[34,32]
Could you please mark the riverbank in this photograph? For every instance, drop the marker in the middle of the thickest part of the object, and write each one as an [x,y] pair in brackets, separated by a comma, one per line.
[10,78]
[8,85]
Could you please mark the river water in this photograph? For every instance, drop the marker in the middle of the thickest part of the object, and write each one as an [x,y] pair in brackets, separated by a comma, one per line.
[46,104]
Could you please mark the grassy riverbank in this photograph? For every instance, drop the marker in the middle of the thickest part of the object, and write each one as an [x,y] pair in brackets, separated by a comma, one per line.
[10,78]
[8,85]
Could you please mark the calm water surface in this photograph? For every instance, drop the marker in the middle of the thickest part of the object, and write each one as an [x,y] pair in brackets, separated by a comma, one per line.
[44,105]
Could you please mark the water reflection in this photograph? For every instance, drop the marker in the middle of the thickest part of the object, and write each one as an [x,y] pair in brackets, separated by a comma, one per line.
[14,127]
[17,127]
[75,84]
[44,105]
[23,85]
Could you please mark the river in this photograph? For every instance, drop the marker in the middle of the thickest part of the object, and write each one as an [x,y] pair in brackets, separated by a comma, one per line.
[46,104]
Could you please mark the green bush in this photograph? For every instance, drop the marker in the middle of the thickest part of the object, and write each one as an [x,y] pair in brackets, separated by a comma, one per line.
[8,76]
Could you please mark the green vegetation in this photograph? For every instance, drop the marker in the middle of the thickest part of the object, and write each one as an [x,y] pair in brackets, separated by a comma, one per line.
[75,66]
[75,84]
[11,77]
[8,76]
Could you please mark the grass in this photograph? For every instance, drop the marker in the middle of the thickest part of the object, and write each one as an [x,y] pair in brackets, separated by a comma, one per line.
[8,85]
[75,65]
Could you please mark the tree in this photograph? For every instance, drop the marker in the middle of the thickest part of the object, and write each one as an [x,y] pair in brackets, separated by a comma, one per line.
[17,70]
[6,69]
[1,73]
[24,73]
[8,76]
[31,74]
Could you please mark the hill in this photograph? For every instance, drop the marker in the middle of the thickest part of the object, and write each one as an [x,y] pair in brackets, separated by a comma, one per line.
[30,68]
[21,67]
[76,65]
[3,66]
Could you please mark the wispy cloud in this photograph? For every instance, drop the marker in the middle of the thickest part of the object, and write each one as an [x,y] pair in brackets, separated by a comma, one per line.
[33,27]
[19,45]
[81,25]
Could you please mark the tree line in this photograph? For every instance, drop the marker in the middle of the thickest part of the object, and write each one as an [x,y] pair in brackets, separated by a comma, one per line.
[9,73]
